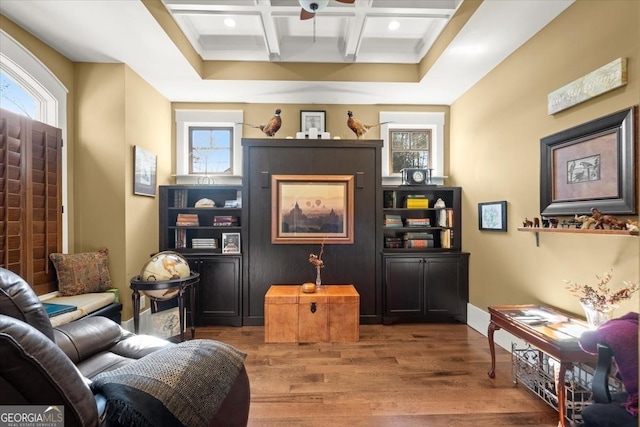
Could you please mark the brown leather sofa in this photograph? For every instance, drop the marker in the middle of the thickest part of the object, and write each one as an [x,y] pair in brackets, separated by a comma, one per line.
[42,365]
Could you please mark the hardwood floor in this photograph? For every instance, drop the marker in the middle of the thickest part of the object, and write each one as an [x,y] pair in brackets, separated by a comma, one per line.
[402,375]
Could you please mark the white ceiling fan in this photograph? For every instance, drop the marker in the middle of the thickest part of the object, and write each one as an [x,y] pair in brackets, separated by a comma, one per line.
[310,7]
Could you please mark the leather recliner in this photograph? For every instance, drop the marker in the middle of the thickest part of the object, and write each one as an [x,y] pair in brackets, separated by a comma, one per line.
[43,365]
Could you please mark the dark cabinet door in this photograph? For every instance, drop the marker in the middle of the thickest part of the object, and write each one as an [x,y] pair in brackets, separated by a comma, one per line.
[404,287]
[446,286]
[426,287]
[218,292]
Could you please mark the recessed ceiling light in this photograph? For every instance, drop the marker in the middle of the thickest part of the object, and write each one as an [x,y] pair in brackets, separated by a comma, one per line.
[393,25]
[229,22]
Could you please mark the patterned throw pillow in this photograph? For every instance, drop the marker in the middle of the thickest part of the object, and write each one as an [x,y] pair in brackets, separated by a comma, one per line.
[82,273]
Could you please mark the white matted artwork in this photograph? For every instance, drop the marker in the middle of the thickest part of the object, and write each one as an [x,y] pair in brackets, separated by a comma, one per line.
[166,323]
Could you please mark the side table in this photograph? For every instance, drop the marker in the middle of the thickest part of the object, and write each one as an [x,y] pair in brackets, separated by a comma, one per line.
[551,331]
[181,284]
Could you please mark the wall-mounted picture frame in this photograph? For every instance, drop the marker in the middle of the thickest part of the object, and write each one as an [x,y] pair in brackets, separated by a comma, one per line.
[230,243]
[592,165]
[144,173]
[492,216]
[309,209]
[313,119]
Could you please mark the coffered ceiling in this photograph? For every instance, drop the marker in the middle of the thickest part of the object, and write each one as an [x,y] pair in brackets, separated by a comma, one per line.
[272,30]
[184,49]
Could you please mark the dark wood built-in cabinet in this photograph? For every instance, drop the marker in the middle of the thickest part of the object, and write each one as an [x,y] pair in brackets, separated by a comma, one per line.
[192,231]
[425,271]
[426,287]
[395,283]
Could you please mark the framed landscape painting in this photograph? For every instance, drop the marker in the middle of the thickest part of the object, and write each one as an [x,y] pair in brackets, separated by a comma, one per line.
[309,209]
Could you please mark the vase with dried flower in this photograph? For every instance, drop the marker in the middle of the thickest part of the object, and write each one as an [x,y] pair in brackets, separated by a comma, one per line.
[318,263]
[600,301]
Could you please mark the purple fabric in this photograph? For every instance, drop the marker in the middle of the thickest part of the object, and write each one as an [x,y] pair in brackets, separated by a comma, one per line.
[621,335]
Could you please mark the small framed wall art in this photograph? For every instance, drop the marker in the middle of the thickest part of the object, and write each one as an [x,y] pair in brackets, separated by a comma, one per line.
[144,174]
[492,216]
[313,119]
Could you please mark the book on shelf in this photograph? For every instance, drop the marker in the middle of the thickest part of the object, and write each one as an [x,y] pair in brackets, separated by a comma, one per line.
[416,201]
[187,220]
[417,235]
[200,243]
[419,243]
[180,198]
[392,221]
[393,242]
[225,221]
[418,222]
[389,199]
[181,239]
[446,237]
[445,218]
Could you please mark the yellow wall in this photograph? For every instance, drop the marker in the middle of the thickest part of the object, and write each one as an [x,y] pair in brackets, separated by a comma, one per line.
[495,155]
[117,110]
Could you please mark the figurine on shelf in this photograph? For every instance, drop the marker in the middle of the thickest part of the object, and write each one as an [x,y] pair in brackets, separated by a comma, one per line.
[536,222]
[527,223]
[601,220]
[632,225]
[586,221]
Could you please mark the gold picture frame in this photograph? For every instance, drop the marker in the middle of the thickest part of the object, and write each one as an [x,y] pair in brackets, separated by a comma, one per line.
[310,209]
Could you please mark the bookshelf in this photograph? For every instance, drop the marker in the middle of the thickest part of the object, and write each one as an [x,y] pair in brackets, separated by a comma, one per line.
[197,221]
[425,270]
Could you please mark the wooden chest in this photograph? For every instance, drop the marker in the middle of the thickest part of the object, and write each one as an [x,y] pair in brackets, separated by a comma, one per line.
[331,314]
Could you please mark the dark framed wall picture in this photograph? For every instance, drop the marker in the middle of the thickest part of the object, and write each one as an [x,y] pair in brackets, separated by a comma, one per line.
[592,165]
[313,119]
[492,216]
[144,174]
[230,243]
[312,209]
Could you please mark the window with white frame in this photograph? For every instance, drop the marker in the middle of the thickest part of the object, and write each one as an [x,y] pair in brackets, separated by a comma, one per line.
[208,143]
[409,148]
[431,123]
[49,98]
[210,150]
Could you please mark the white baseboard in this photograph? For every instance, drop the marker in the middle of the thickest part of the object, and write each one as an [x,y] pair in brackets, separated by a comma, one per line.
[479,319]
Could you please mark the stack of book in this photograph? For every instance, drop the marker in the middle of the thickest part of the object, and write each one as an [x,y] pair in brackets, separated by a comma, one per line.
[417,201]
[204,243]
[225,221]
[392,242]
[187,220]
[418,222]
[181,239]
[446,236]
[418,240]
[392,221]
[180,199]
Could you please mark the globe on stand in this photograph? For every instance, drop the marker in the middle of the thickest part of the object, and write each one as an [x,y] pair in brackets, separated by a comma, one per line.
[163,266]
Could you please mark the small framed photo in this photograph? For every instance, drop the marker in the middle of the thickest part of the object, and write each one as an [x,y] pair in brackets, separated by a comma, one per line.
[313,119]
[230,243]
[492,216]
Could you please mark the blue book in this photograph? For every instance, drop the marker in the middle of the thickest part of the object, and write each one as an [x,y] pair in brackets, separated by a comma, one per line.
[58,309]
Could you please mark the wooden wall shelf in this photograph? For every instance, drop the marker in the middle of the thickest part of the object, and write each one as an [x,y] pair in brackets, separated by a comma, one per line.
[538,230]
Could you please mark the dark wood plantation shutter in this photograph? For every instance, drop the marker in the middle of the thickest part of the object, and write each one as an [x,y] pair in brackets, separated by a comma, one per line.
[31,197]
